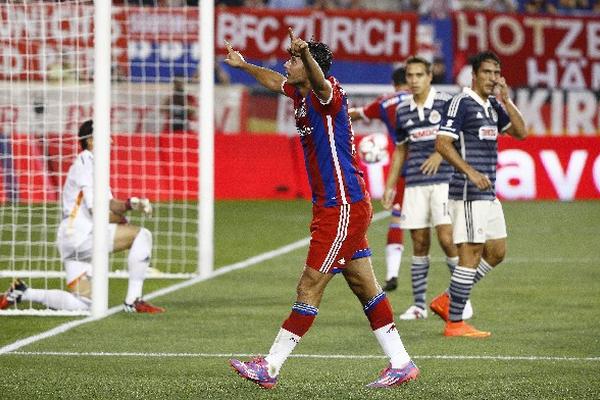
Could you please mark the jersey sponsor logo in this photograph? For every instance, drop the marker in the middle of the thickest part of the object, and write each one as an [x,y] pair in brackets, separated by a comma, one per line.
[422,134]
[488,132]
[449,123]
[435,117]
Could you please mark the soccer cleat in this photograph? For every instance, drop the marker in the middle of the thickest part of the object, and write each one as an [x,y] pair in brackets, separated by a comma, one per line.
[413,313]
[140,306]
[13,294]
[468,311]
[391,377]
[441,306]
[461,328]
[255,370]
[391,284]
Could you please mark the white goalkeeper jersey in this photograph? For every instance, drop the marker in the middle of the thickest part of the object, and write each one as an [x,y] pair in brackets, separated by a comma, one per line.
[78,198]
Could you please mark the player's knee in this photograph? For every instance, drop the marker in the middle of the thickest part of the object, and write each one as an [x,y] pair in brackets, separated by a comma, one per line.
[142,245]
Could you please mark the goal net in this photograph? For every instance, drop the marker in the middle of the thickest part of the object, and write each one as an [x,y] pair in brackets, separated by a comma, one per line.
[46,92]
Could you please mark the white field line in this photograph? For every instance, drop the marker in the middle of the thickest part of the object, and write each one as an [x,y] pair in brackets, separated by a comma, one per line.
[169,289]
[313,356]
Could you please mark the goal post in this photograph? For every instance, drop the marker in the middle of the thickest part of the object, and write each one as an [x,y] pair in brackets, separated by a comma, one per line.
[150,74]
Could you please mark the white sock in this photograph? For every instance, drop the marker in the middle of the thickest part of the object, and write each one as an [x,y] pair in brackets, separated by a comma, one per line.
[393,256]
[56,299]
[138,262]
[389,340]
[282,347]
[451,262]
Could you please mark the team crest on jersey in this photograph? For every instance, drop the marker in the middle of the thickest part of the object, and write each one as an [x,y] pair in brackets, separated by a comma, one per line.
[435,117]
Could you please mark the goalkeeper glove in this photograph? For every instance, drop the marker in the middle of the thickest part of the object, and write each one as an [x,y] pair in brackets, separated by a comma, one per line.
[142,205]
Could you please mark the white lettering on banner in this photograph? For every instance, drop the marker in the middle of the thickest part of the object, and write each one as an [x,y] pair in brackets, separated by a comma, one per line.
[139,50]
[302,27]
[573,28]
[226,30]
[477,31]
[578,116]
[515,176]
[518,36]
[537,25]
[583,107]
[565,182]
[558,113]
[593,40]
[171,50]
[596,173]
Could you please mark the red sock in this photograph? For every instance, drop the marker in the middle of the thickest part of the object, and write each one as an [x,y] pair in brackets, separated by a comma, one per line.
[395,235]
[379,311]
[301,318]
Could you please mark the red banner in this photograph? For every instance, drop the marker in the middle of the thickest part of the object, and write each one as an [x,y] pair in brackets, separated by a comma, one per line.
[165,168]
[536,50]
[549,168]
[352,35]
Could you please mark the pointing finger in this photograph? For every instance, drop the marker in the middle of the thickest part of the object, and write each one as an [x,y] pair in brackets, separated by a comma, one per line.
[291,33]
[228,46]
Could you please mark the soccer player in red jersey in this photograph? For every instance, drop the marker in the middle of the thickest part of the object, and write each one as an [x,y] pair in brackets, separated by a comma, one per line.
[341,213]
[384,108]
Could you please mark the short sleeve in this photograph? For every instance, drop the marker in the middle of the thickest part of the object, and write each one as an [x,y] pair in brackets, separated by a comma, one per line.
[452,117]
[503,118]
[335,101]
[372,110]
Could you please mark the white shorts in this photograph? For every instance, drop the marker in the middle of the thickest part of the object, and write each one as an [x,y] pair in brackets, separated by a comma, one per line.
[477,221]
[425,206]
[72,247]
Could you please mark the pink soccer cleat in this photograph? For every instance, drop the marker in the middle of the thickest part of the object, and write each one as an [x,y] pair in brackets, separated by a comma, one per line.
[255,370]
[391,377]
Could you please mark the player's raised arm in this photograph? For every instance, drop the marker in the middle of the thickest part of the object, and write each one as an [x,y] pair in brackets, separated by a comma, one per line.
[318,83]
[517,127]
[268,78]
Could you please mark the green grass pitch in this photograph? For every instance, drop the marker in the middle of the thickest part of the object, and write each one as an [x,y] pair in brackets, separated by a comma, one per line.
[542,306]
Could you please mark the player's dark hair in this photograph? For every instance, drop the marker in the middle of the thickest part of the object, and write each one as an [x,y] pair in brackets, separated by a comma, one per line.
[419,60]
[399,76]
[322,55]
[479,58]
[85,132]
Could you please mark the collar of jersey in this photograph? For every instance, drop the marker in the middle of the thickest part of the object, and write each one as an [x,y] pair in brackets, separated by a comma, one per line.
[485,104]
[428,101]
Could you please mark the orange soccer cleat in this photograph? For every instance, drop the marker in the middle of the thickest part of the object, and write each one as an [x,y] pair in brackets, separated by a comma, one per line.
[441,305]
[461,328]
[140,306]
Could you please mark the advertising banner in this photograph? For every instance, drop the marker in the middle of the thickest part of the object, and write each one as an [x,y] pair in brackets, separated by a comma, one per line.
[536,50]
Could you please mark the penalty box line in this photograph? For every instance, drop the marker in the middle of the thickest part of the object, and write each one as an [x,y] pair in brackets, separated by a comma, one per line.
[309,356]
[169,289]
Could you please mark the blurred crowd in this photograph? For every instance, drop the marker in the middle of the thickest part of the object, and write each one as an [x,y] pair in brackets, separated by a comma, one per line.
[432,8]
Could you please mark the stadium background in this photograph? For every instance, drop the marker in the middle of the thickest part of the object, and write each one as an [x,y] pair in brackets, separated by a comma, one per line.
[542,304]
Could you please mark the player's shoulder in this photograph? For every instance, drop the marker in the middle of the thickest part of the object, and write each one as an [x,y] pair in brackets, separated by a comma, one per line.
[405,102]
[442,96]
[456,102]
[85,158]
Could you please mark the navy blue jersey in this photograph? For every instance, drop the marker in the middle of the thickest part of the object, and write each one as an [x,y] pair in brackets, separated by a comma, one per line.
[475,125]
[417,127]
